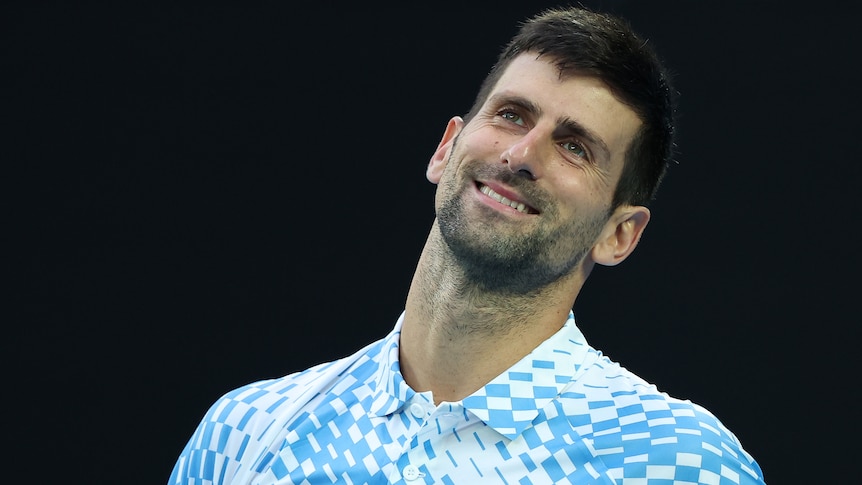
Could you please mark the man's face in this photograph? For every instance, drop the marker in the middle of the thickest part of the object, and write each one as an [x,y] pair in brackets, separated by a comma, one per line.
[527,185]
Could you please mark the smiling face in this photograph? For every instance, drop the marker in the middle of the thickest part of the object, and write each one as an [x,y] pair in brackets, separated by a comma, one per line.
[525,187]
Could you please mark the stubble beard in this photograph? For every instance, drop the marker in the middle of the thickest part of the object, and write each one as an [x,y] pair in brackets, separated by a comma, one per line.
[498,260]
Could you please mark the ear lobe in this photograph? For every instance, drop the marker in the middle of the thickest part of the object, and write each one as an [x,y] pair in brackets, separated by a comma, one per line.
[441,154]
[622,237]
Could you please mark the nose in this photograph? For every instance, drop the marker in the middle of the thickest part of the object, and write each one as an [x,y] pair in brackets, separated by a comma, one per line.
[524,155]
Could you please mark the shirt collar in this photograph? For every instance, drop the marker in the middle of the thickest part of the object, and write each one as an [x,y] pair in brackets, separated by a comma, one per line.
[512,400]
[391,391]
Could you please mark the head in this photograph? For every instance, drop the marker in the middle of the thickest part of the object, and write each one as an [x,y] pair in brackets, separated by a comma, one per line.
[551,170]
[583,42]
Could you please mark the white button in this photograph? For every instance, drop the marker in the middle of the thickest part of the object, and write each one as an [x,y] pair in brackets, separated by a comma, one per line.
[417,410]
[410,472]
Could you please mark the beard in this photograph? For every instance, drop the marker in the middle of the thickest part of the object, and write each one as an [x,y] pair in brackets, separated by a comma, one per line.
[499,259]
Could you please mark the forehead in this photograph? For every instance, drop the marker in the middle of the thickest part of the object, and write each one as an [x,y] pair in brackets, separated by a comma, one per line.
[584,99]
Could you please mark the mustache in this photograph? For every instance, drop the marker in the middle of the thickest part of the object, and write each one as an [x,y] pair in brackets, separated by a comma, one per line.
[527,188]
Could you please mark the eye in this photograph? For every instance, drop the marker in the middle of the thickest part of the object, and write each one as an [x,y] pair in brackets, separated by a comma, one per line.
[512,116]
[575,149]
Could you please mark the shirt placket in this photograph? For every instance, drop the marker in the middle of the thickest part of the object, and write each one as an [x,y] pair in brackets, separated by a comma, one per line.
[419,457]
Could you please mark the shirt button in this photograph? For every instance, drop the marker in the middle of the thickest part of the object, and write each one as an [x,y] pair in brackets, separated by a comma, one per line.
[410,472]
[417,410]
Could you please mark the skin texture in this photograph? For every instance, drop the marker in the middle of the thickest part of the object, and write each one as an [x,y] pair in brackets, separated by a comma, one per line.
[493,281]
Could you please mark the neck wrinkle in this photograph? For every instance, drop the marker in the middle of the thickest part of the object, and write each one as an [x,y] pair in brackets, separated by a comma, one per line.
[456,338]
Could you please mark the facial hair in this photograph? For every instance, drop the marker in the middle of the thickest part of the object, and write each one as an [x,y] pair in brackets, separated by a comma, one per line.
[498,260]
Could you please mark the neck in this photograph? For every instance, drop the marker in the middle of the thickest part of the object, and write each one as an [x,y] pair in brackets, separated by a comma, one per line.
[456,337]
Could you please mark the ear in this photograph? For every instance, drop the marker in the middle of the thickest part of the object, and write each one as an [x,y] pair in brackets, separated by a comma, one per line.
[441,154]
[621,235]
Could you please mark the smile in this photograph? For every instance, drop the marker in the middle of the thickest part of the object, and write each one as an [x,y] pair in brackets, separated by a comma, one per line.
[518,206]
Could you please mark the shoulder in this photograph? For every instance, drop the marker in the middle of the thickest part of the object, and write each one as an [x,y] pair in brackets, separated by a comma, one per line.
[633,426]
[241,427]
[264,399]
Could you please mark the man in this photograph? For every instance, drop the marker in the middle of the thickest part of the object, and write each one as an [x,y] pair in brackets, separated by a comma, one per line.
[485,378]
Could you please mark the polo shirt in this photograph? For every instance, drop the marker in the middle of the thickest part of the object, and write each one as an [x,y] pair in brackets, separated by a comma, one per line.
[565,413]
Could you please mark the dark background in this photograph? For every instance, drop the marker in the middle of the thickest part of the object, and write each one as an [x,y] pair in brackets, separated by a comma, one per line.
[202,195]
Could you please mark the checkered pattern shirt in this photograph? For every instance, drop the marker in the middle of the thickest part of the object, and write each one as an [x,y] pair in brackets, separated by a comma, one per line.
[563,414]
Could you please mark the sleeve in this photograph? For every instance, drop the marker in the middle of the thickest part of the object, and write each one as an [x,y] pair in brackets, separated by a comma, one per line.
[226,439]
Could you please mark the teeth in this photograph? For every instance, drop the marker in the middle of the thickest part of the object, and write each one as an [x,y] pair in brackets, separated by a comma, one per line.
[499,198]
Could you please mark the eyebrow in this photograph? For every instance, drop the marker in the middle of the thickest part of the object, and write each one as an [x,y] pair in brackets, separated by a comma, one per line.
[565,126]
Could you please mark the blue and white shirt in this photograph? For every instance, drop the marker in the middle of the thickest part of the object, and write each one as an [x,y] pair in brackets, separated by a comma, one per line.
[563,414]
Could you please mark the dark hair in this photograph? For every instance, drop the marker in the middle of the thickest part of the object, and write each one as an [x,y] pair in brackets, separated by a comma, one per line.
[581,41]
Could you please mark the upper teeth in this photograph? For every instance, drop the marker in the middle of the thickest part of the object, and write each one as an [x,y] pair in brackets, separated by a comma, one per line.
[499,198]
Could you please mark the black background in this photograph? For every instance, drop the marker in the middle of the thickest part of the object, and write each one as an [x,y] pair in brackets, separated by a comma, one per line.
[199,195]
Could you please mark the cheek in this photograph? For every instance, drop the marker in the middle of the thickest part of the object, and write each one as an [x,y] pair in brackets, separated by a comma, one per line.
[597,187]
[584,198]
[482,142]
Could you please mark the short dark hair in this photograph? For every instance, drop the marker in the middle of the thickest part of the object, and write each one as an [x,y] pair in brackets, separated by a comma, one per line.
[585,42]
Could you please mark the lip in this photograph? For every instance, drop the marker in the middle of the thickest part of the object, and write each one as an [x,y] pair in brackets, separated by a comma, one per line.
[504,192]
